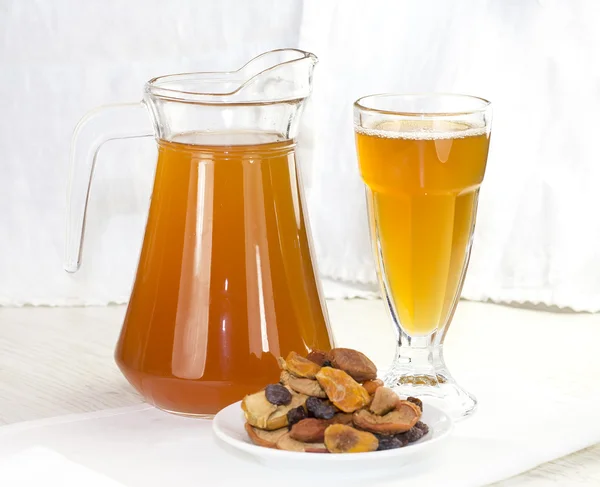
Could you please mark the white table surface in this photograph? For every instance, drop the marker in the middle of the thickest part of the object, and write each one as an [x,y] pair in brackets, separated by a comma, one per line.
[57,361]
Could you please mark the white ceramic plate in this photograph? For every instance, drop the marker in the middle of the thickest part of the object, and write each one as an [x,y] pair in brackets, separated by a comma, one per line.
[228,426]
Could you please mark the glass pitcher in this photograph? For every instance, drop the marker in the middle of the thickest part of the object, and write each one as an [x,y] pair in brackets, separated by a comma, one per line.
[226,281]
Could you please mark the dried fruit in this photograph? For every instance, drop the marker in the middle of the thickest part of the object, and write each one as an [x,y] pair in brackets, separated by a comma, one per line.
[408,410]
[286,442]
[387,442]
[259,412]
[355,363]
[319,409]
[326,409]
[295,415]
[416,401]
[264,438]
[342,390]
[257,409]
[345,439]
[401,419]
[310,430]
[301,367]
[279,419]
[277,394]
[342,418]
[372,385]
[412,435]
[310,387]
[390,442]
[281,363]
[284,377]
[318,357]
[384,400]
[422,426]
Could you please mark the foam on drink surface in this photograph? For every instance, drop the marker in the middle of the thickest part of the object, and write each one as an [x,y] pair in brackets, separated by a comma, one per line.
[422,129]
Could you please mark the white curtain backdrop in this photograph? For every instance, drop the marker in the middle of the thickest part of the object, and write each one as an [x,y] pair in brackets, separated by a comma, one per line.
[537,236]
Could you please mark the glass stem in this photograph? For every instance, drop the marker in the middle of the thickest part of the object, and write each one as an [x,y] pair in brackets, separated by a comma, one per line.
[415,362]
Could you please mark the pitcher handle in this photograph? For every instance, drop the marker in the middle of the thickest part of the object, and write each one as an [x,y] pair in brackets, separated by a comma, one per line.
[110,122]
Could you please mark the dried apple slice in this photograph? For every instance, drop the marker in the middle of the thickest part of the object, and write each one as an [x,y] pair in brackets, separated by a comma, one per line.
[401,419]
[384,401]
[286,442]
[310,387]
[264,438]
[257,409]
[259,412]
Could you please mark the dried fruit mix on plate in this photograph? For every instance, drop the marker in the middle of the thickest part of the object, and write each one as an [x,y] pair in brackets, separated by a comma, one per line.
[331,402]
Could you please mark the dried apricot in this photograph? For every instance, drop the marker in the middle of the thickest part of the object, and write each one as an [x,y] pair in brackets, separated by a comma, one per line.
[340,438]
[301,367]
[384,400]
[286,442]
[372,385]
[264,438]
[353,362]
[342,390]
[401,419]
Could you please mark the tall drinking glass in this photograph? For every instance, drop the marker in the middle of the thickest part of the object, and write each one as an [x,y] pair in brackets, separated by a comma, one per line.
[422,158]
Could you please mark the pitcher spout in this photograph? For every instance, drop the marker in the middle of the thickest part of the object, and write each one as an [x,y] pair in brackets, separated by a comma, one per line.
[272,77]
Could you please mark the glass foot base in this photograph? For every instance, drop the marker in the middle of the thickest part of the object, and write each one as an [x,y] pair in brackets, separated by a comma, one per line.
[430,380]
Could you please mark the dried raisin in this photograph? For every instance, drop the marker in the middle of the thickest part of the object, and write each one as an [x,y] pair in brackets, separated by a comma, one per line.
[423,427]
[389,442]
[320,409]
[412,435]
[277,394]
[295,415]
